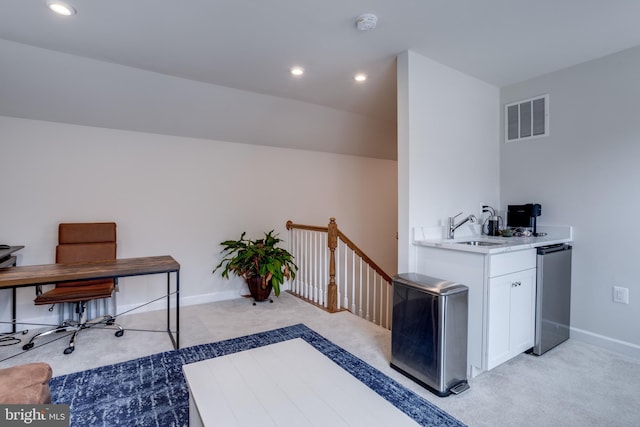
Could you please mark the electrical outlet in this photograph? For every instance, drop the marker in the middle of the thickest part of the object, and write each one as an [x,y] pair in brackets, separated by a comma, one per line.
[621,294]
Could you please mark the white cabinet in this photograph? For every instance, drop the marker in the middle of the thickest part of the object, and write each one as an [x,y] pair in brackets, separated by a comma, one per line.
[501,299]
[510,308]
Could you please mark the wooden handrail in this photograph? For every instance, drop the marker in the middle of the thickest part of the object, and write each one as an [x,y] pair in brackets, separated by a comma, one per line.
[291,225]
[362,255]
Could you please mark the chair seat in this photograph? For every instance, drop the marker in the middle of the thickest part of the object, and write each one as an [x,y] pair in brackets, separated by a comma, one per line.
[73,294]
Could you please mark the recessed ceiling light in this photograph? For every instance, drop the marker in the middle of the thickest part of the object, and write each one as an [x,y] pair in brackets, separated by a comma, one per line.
[360,77]
[297,71]
[61,8]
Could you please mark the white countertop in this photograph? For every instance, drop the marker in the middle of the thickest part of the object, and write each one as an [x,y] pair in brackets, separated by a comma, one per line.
[555,235]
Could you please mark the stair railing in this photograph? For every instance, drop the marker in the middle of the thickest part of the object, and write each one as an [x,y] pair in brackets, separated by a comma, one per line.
[337,275]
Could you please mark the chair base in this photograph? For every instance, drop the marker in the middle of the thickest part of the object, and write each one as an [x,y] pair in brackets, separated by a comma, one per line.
[75,327]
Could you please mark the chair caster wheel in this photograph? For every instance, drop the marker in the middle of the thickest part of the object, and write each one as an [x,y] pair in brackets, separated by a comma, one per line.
[25,332]
[119,333]
[254,303]
[270,301]
[27,346]
[69,350]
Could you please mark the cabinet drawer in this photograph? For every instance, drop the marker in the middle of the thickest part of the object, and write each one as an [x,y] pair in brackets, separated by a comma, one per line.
[511,262]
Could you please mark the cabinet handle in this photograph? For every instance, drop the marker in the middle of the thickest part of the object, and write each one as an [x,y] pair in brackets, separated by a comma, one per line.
[516,284]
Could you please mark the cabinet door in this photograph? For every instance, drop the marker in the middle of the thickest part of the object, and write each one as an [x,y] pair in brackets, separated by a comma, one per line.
[511,316]
[522,322]
[499,320]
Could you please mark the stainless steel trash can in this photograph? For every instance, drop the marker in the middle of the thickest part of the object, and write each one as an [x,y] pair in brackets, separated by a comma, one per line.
[429,332]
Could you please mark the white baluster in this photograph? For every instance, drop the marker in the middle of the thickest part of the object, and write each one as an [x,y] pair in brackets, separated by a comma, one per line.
[367,289]
[294,251]
[360,302]
[311,262]
[346,264]
[339,268]
[388,305]
[303,263]
[320,266]
[319,284]
[347,287]
[314,270]
[353,268]
[305,291]
[325,268]
[376,309]
[310,282]
[345,304]
[361,286]
[354,300]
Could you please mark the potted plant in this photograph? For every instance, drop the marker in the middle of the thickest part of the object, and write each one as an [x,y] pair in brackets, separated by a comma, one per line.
[260,262]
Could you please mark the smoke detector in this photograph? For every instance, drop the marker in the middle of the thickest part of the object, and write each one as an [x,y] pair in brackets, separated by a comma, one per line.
[366,22]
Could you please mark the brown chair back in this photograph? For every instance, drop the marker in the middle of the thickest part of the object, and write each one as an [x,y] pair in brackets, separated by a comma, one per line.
[85,242]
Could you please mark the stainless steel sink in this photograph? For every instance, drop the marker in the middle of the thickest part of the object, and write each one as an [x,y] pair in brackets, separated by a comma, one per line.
[479,243]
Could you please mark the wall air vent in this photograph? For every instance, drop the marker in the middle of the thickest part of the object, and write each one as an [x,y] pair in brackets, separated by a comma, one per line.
[527,119]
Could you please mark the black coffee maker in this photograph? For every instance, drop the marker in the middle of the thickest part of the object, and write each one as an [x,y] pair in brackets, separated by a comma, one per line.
[524,216]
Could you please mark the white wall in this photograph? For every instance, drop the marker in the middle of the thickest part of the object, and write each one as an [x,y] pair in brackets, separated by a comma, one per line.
[179,196]
[586,174]
[47,85]
[448,133]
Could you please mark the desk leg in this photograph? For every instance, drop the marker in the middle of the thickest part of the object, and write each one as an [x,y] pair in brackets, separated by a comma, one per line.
[13,312]
[14,319]
[13,303]
[177,309]
[176,340]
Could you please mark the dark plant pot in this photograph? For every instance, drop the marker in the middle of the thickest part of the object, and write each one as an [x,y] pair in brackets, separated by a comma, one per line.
[258,292]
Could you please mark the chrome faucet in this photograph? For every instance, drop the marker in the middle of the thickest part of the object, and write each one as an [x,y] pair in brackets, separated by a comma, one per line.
[453,226]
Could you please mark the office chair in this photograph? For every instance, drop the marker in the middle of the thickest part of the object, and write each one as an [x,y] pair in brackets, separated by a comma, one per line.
[81,242]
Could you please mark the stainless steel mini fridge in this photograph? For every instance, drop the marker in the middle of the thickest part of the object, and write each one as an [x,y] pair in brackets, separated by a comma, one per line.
[429,332]
[553,297]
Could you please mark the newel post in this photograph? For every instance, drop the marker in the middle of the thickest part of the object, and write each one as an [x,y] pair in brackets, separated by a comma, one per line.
[332,290]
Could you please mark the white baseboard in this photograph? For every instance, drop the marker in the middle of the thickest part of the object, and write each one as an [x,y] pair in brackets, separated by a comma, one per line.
[49,320]
[612,344]
[184,301]
[203,299]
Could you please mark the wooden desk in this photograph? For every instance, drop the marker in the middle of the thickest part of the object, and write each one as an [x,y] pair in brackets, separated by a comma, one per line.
[31,275]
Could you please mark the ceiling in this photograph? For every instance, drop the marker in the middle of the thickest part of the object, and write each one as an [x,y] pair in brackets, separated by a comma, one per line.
[250,44]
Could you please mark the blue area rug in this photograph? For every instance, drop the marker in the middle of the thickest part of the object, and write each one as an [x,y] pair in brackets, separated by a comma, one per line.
[151,391]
